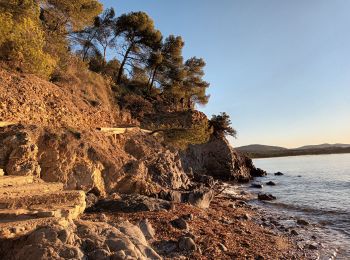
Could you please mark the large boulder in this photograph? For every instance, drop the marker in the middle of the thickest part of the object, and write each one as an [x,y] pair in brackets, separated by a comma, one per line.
[218,159]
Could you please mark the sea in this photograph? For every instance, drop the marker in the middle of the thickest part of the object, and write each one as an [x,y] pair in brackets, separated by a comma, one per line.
[315,188]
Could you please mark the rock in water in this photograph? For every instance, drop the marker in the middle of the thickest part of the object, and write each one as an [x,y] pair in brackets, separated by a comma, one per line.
[279,174]
[302,222]
[257,185]
[266,196]
[270,183]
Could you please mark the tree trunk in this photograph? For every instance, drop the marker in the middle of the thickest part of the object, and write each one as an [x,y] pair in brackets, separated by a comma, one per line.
[104,53]
[153,77]
[121,69]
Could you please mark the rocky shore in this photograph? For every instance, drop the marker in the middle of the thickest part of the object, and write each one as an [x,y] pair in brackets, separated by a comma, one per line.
[70,191]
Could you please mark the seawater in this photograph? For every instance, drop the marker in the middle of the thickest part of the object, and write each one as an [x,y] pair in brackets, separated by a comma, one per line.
[316,188]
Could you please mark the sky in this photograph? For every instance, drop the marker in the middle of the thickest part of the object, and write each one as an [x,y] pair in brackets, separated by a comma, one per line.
[280,69]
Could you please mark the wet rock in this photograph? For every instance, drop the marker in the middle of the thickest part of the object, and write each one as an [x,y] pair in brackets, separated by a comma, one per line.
[132,203]
[313,246]
[278,174]
[294,232]
[187,244]
[179,223]
[271,183]
[266,196]
[302,222]
[147,229]
[257,185]
[257,172]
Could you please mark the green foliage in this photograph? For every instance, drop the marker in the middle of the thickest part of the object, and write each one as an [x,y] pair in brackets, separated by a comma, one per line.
[22,44]
[222,125]
[34,32]
[62,15]
[181,138]
[138,36]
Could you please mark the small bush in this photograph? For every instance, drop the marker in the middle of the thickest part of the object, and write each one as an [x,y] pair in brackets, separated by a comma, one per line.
[181,138]
[221,125]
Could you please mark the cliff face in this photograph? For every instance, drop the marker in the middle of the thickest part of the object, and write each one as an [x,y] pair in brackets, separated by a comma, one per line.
[218,159]
[91,161]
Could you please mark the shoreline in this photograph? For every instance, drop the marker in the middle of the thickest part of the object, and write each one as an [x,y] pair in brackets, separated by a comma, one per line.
[306,234]
[230,228]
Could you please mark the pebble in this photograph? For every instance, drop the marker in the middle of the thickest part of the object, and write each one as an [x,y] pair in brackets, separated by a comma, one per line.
[222,247]
[179,223]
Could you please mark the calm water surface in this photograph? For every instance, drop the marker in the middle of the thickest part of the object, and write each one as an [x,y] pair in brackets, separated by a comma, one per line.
[315,187]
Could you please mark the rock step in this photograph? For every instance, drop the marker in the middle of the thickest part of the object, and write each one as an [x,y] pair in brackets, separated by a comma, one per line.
[69,211]
[7,181]
[22,227]
[31,188]
[44,200]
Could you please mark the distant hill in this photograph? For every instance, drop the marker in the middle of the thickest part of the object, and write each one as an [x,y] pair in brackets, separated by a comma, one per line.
[323,146]
[266,151]
[260,147]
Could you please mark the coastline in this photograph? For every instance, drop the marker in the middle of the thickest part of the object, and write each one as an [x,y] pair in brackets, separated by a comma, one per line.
[229,229]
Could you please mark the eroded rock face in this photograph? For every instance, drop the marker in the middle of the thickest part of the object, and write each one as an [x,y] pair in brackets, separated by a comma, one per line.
[18,154]
[81,240]
[218,159]
[91,161]
[164,166]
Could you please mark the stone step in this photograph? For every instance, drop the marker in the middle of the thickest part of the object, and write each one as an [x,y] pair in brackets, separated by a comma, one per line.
[9,181]
[31,188]
[68,211]
[12,229]
[43,200]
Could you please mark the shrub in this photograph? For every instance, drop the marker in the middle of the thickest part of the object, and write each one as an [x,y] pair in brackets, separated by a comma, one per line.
[181,138]
[21,43]
[221,125]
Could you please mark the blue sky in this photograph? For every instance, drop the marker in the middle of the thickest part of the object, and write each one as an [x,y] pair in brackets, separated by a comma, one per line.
[280,69]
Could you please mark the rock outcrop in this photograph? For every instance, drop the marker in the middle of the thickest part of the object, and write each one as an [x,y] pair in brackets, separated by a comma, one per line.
[91,160]
[218,159]
[80,240]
